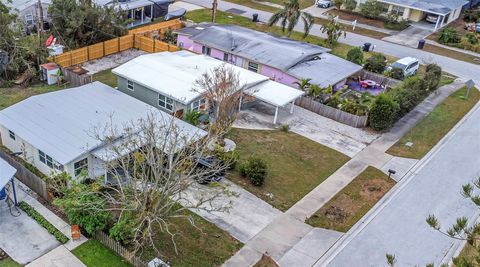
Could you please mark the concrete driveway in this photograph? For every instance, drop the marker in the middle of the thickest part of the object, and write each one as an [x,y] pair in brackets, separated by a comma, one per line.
[397,224]
[22,238]
[410,36]
[247,214]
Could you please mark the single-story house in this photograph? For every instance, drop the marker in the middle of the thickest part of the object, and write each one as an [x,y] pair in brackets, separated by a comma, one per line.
[446,11]
[55,132]
[27,10]
[281,59]
[140,11]
[166,81]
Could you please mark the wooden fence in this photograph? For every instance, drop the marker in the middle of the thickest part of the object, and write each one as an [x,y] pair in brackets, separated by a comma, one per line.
[332,113]
[31,180]
[75,79]
[119,249]
[134,38]
[379,78]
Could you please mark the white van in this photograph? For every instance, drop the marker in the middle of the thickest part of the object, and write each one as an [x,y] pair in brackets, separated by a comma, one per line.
[409,65]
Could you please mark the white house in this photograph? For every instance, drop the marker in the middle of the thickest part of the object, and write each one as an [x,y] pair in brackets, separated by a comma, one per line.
[27,10]
[56,131]
[166,81]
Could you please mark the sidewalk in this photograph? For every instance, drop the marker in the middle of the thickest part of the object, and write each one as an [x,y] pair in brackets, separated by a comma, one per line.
[287,232]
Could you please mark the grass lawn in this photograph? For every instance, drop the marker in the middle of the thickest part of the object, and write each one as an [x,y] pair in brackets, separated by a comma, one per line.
[10,96]
[469,253]
[94,254]
[209,246]
[435,125]
[452,54]
[204,15]
[352,202]
[8,262]
[106,77]
[296,165]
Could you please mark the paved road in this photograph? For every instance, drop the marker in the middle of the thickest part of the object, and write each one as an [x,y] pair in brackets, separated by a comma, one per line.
[456,67]
[398,226]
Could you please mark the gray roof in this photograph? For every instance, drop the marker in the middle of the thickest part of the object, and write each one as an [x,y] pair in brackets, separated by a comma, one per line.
[6,173]
[325,70]
[439,7]
[62,123]
[268,49]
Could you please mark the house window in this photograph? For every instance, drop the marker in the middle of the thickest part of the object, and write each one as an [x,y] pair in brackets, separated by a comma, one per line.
[11,134]
[252,66]
[398,10]
[165,102]
[130,85]
[206,50]
[80,166]
[29,19]
[384,7]
[225,56]
[49,161]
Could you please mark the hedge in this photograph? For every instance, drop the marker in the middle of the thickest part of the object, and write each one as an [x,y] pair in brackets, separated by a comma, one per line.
[30,211]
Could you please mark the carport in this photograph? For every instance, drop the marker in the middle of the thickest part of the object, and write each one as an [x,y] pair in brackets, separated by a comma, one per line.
[275,94]
[6,176]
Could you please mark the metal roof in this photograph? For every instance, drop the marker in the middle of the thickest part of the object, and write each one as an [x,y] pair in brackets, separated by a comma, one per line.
[63,123]
[6,173]
[20,5]
[325,70]
[439,7]
[268,49]
[174,73]
[274,93]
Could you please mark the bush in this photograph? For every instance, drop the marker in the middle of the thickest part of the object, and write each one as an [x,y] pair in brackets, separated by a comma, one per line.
[472,38]
[338,3]
[229,158]
[371,9]
[285,128]
[383,113]
[123,230]
[350,5]
[433,75]
[449,35]
[355,55]
[192,117]
[30,211]
[376,63]
[255,169]
[396,73]
[471,15]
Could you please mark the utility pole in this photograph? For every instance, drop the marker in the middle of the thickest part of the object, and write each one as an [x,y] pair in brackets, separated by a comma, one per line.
[214,10]
[39,18]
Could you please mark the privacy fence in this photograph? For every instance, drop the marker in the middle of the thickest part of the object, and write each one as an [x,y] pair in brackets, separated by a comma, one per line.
[27,177]
[134,39]
[332,113]
[119,249]
[379,78]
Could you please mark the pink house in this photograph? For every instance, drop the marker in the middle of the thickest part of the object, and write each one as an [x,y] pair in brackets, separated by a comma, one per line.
[281,59]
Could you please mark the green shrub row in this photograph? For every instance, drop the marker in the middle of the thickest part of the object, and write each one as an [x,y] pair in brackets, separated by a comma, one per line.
[30,211]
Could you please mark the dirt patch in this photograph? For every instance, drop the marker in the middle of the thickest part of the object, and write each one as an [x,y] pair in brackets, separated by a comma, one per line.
[336,213]
[373,190]
[111,61]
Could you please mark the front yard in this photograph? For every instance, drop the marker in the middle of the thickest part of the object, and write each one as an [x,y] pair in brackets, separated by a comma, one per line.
[428,132]
[8,262]
[296,165]
[94,254]
[348,206]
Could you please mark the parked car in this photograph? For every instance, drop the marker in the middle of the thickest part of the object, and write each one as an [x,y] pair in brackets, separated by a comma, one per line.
[409,66]
[324,3]
[209,170]
[432,18]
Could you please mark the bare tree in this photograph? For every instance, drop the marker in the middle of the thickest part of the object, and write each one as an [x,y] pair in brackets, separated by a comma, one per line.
[152,178]
[222,89]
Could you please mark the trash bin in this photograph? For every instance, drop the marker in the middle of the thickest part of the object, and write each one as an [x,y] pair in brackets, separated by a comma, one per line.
[421,44]
[366,47]
[255,17]
[3,194]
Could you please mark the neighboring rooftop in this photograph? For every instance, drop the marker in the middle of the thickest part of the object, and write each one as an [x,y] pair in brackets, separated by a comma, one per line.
[20,5]
[131,4]
[63,123]
[268,49]
[174,74]
[439,7]
[6,173]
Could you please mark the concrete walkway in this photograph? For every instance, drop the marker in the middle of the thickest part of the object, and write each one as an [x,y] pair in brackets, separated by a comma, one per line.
[59,257]
[456,67]
[287,231]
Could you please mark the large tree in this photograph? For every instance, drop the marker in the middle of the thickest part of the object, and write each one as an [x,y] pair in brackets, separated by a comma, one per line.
[334,31]
[290,15]
[81,23]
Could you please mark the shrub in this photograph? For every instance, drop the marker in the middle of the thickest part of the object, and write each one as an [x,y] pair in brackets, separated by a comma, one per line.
[30,211]
[396,73]
[433,75]
[350,5]
[449,35]
[472,38]
[229,158]
[406,99]
[192,117]
[371,9]
[83,208]
[355,55]
[285,128]
[382,113]
[338,3]
[471,15]
[255,169]
[123,230]
[376,63]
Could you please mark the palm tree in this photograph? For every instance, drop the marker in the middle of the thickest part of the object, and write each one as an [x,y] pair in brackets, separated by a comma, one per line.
[303,84]
[289,17]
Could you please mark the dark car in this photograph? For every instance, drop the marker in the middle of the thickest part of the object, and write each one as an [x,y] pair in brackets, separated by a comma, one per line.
[210,169]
